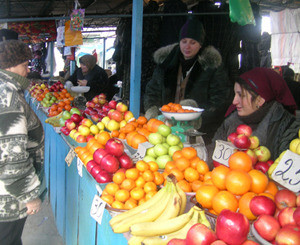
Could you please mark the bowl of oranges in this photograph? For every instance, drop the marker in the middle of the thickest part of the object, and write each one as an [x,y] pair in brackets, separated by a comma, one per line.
[180,113]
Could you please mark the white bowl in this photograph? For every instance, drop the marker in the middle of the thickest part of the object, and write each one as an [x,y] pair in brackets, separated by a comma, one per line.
[184,116]
[80,89]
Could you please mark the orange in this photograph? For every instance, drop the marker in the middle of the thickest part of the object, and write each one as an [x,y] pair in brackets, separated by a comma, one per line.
[240,160]
[182,163]
[244,205]
[205,195]
[122,195]
[202,167]
[68,107]
[88,158]
[208,182]
[141,120]
[177,155]
[130,204]
[191,174]
[114,133]
[150,194]
[196,184]
[259,181]
[102,137]
[238,182]
[150,186]
[153,166]
[194,161]
[91,142]
[218,175]
[142,165]
[189,152]
[158,178]
[128,128]
[118,177]
[95,147]
[137,193]
[79,150]
[140,182]
[132,173]
[177,173]
[269,195]
[184,185]
[224,200]
[271,188]
[165,108]
[170,165]
[117,204]
[142,201]
[138,139]
[127,184]
[207,176]
[148,175]
[108,199]
[112,188]
[122,136]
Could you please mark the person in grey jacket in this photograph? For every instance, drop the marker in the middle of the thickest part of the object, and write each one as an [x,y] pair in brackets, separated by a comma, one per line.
[190,74]
[21,145]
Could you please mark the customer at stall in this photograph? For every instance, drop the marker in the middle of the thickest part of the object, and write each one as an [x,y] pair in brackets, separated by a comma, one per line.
[90,74]
[21,144]
[193,75]
[264,102]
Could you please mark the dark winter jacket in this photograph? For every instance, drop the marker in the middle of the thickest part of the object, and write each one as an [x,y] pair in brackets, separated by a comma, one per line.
[208,84]
[275,131]
[97,81]
[21,149]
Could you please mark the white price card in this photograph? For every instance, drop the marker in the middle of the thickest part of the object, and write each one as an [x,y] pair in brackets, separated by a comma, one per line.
[99,189]
[287,172]
[79,166]
[141,152]
[97,209]
[223,150]
[70,156]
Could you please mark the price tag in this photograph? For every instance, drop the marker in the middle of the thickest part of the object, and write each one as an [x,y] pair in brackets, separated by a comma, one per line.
[70,156]
[38,106]
[223,151]
[141,152]
[97,209]
[79,166]
[287,172]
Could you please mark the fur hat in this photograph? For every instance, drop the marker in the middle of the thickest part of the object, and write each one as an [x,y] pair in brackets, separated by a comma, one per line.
[194,29]
[13,53]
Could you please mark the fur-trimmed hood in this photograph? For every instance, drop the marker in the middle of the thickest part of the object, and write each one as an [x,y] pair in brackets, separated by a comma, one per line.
[210,57]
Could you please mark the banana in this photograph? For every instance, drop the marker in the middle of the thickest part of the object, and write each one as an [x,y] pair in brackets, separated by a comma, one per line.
[149,214]
[161,227]
[203,219]
[183,198]
[136,240]
[54,121]
[180,234]
[141,208]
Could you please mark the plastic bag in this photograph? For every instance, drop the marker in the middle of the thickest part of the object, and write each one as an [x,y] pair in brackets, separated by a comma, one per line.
[77,19]
[240,11]
[72,38]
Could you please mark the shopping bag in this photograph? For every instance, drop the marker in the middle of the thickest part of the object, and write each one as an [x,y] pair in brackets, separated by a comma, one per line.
[72,38]
[240,11]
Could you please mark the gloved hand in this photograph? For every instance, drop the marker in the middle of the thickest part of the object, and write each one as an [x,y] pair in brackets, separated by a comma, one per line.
[196,124]
[152,112]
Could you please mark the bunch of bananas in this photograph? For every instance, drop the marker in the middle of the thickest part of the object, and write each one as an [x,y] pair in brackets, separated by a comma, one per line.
[54,121]
[159,219]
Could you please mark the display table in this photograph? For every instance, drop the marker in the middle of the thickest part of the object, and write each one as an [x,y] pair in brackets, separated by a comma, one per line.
[71,195]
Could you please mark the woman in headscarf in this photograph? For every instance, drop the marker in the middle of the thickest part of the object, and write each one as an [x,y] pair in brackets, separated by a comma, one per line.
[90,74]
[264,102]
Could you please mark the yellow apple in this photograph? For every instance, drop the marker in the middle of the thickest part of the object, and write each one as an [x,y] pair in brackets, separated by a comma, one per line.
[84,130]
[101,125]
[113,125]
[94,129]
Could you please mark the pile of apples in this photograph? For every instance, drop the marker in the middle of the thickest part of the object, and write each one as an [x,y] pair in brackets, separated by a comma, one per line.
[56,87]
[108,160]
[98,107]
[243,139]
[36,89]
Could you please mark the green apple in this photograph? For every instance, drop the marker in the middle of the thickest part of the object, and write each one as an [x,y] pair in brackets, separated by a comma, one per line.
[66,115]
[172,149]
[150,152]
[149,159]
[166,145]
[62,122]
[160,150]
[75,110]
[164,130]
[155,138]
[173,139]
[162,161]
[180,145]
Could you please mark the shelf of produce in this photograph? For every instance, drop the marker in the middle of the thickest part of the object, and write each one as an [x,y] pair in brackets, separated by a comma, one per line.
[71,195]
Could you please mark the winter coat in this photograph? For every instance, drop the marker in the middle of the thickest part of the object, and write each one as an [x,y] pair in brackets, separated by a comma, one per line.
[208,84]
[21,149]
[275,131]
[97,81]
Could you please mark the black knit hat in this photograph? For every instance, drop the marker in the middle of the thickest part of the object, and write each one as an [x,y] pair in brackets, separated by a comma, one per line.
[13,53]
[193,28]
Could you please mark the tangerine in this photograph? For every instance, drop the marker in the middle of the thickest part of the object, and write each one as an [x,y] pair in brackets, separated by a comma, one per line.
[127,184]
[158,178]
[117,204]
[150,186]
[205,195]
[118,177]
[102,137]
[218,175]
[140,182]
[224,200]
[184,185]
[169,165]
[130,204]
[109,199]
[271,188]
[150,194]
[132,173]
[240,160]
[122,195]
[148,175]
[137,193]
[182,163]
[177,173]
[202,167]
[142,166]
[238,182]
[191,174]
[259,181]
[189,152]
[112,188]
[196,184]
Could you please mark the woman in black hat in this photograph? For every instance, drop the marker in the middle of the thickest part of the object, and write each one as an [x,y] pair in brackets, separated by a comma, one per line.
[190,74]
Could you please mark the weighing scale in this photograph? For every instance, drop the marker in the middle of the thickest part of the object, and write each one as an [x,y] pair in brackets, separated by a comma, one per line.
[80,100]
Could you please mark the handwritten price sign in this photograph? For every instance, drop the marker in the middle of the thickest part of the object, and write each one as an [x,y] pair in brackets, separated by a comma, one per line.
[223,151]
[97,209]
[141,152]
[287,172]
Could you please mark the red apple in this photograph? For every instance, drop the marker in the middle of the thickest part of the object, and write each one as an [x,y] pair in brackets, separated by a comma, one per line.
[219,242]
[216,163]
[96,117]
[125,161]
[249,242]
[296,216]
[89,137]
[76,118]
[99,154]
[286,216]
[267,226]
[254,142]
[116,115]
[103,177]
[244,129]
[112,104]
[263,153]
[270,162]
[95,170]
[95,100]
[298,201]
[200,234]
[70,124]
[90,104]
[288,235]
[115,147]
[232,137]
[262,166]
[232,227]
[90,165]
[242,141]
[252,155]
[81,139]
[65,130]
[285,198]
[262,205]
[110,163]
[176,241]
[121,107]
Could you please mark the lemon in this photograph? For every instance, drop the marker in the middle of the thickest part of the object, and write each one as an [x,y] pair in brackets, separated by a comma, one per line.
[294,144]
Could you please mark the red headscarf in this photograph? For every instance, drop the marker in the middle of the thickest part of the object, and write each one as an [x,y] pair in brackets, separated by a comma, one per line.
[270,86]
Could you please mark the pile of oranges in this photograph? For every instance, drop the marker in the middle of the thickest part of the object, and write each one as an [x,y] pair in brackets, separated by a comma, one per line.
[134,186]
[57,108]
[234,186]
[174,107]
[190,171]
